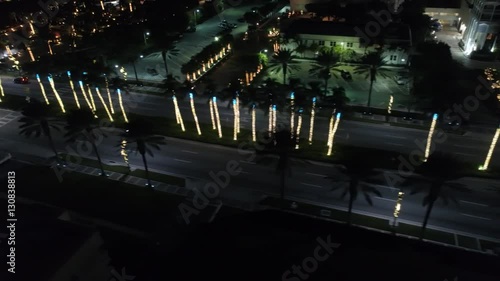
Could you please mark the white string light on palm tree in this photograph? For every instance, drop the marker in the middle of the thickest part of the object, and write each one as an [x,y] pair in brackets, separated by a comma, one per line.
[331,135]
[54,90]
[212,114]
[82,88]
[299,127]
[42,88]
[311,123]
[104,104]
[274,118]
[490,151]
[195,116]
[292,113]
[2,94]
[120,101]
[94,108]
[254,133]
[235,114]
[270,113]
[217,117]
[429,137]
[109,96]
[178,115]
[73,89]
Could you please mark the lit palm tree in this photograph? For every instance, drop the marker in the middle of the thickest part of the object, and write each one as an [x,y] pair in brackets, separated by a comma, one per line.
[327,63]
[81,123]
[373,66]
[38,121]
[436,175]
[140,132]
[357,173]
[284,61]
[167,53]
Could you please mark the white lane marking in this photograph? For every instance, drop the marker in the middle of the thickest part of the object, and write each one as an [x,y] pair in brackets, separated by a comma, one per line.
[383,186]
[316,175]
[473,203]
[385,199]
[476,217]
[396,144]
[247,162]
[313,185]
[183,161]
[187,151]
[396,137]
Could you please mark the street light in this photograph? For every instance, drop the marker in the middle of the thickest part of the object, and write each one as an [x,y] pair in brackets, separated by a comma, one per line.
[216,38]
[146,35]
[195,12]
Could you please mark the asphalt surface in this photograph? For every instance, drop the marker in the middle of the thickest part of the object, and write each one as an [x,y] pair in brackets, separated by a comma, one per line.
[478,211]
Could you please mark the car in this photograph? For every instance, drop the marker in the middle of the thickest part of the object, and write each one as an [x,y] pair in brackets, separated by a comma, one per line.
[346,75]
[191,29]
[401,80]
[21,80]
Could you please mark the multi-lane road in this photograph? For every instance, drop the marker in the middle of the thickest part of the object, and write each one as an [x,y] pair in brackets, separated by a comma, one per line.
[478,211]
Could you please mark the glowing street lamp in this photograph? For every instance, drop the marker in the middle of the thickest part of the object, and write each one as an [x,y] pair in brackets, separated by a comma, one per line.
[82,88]
[51,82]
[42,88]
[217,117]
[120,101]
[292,113]
[299,126]
[104,104]
[311,123]
[178,115]
[331,135]
[73,89]
[484,167]
[193,109]
[429,137]
[254,133]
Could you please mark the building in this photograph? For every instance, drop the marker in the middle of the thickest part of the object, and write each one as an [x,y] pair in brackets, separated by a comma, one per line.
[480,25]
[300,5]
[51,248]
[394,38]
[447,11]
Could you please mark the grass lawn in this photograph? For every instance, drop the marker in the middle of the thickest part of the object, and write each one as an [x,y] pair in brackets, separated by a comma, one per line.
[467,242]
[168,179]
[128,205]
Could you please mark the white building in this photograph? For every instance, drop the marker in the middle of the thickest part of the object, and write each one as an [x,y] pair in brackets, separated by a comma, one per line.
[480,25]
[394,38]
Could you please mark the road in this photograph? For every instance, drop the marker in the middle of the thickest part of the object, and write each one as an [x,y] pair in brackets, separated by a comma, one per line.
[477,213]
[472,147]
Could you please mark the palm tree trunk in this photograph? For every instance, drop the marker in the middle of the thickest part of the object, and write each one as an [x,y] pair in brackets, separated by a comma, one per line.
[103,173]
[349,212]
[135,72]
[282,184]
[166,67]
[370,94]
[284,73]
[53,147]
[146,169]
[326,86]
[426,219]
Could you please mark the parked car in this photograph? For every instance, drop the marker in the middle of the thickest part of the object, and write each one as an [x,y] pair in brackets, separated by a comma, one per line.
[346,75]
[401,80]
[21,80]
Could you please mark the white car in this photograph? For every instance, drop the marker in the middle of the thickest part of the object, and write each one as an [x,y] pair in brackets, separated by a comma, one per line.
[4,157]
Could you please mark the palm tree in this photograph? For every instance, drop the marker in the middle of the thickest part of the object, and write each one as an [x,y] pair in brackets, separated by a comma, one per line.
[301,48]
[357,173]
[373,66]
[327,62]
[37,121]
[167,53]
[81,123]
[284,61]
[140,132]
[338,100]
[437,174]
[171,85]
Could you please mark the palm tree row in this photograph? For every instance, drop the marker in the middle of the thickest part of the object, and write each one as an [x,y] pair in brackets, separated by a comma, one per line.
[82,125]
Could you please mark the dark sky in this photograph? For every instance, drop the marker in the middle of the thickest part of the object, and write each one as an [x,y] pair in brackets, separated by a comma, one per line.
[444,3]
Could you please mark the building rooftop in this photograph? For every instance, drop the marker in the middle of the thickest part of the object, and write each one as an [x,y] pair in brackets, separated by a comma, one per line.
[43,242]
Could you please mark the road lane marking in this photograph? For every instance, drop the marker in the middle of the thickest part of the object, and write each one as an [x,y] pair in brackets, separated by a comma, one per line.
[313,185]
[383,186]
[473,203]
[187,151]
[476,217]
[385,199]
[396,144]
[247,162]
[316,175]
[183,161]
